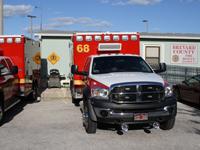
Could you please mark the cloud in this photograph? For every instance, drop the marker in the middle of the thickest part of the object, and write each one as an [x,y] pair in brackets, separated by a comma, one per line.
[131,2]
[17,10]
[85,21]
[60,22]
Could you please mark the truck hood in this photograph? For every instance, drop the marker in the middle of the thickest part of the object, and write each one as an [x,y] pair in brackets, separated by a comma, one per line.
[115,78]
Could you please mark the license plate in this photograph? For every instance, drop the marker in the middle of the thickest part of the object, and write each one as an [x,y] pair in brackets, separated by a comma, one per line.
[140,116]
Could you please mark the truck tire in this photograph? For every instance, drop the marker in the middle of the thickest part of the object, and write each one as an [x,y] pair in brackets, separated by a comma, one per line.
[76,102]
[90,126]
[169,124]
[34,93]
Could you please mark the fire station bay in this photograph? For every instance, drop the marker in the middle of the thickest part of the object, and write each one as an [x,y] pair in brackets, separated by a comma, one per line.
[181,53]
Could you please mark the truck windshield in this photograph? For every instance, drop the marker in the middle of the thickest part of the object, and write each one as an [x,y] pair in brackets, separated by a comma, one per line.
[110,64]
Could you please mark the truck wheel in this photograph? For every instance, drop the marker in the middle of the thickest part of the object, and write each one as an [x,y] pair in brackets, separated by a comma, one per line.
[34,94]
[167,125]
[1,113]
[76,102]
[90,126]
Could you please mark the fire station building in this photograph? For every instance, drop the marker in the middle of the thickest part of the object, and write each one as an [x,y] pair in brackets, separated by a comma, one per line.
[173,49]
[176,50]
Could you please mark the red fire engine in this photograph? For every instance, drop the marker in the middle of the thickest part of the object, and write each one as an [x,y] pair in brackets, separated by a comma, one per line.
[87,44]
[25,53]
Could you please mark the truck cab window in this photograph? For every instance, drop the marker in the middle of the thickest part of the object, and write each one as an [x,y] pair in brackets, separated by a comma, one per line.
[9,63]
[3,62]
[3,69]
[121,64]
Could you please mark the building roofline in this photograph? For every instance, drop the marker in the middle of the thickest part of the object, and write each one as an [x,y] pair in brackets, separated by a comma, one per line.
[175,36]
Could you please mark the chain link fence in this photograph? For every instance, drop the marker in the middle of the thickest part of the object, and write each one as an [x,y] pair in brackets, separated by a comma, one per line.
[176,74]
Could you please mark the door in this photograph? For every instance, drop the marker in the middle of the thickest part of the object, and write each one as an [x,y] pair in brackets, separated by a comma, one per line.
[152,56]
[8,85]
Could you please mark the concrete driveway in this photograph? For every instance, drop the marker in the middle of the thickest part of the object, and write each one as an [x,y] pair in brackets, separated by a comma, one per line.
[57,125]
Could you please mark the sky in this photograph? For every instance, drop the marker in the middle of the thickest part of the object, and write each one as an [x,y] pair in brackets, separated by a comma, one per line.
[163,16]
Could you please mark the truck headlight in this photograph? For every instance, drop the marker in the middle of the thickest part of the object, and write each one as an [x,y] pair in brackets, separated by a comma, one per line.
[98,89]
[168,90]
[99,92]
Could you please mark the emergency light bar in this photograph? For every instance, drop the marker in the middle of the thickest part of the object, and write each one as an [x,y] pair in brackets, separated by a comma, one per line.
[109,47]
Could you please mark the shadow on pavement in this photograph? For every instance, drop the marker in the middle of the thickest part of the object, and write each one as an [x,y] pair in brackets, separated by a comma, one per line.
[17,109]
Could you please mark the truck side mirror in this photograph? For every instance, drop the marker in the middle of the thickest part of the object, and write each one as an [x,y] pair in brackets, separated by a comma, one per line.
[162,68]
[14,70]
[74,69]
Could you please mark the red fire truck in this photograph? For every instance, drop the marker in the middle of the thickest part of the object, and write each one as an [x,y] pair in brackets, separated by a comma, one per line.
[87,44]
[24,53]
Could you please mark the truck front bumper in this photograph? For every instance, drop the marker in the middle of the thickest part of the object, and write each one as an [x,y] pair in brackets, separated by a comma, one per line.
[109,112]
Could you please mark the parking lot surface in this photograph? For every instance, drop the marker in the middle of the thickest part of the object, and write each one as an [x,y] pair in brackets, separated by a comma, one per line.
[57,125]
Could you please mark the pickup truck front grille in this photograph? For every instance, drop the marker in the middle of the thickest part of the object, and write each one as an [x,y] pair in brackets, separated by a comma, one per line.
[137,93]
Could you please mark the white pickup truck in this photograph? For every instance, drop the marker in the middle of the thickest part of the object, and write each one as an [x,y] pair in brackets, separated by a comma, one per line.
[124,89]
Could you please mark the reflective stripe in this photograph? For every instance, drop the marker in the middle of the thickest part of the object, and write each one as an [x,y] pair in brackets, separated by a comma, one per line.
[78,82]
[22,81]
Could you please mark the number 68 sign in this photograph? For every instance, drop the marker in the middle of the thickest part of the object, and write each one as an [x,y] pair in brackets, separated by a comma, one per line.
[83,48]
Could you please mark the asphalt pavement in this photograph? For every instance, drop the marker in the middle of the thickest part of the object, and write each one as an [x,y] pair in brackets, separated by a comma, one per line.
[57,125]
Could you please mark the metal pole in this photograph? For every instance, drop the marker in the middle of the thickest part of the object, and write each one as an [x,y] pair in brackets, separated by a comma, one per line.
[1,17]
[41,16]
[146,22]
[31,28]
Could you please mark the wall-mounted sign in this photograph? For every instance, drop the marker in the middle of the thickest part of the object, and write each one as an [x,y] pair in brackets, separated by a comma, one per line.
[37,58]
[184,54]
[53,58]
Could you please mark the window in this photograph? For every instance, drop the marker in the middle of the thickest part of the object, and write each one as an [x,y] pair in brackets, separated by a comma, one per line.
[133,37]
[106,38]
[97,38]
[115,37]
[17,40]
[125,37]
[5,68]
[9,40]
[88,38]
[152,56]
[1,40]
[193,81]
[111,64]
[79,38]
[3,62]
[9,63]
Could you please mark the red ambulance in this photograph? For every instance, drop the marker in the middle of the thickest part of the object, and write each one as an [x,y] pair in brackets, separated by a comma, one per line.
[87,44]
[25,54]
